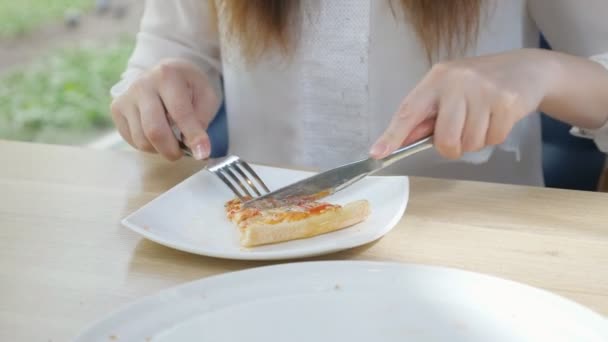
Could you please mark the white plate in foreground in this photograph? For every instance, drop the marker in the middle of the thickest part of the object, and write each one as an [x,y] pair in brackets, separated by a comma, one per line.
[190,217]
[352,301]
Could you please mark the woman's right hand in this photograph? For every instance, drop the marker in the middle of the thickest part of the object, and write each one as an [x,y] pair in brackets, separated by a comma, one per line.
[174,91]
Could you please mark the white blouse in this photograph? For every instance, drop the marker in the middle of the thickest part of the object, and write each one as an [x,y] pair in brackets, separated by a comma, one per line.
[354,63]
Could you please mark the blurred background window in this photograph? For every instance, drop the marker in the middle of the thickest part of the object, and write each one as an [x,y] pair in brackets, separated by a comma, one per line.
[58,60]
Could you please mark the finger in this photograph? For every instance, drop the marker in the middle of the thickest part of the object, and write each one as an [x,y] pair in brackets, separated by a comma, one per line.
[123,129]
[475,126]
[505,112]
[205,101]
[178,98]
[499,127]
[137,133]
[155,125]
[423,130]
[418,106]
[122,126]
[449,125]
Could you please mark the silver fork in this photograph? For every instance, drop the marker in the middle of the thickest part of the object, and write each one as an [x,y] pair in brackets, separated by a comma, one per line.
[233,171]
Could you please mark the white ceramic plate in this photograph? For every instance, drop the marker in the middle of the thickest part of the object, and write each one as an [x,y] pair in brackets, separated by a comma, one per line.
[352,301]
[190,217]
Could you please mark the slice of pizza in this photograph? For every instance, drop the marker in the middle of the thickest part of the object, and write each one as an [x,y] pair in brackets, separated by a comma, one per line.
[292,222]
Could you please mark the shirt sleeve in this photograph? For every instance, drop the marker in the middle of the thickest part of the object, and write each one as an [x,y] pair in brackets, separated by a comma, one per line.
[578,28]
[575,27]
[174,29]
[599,136]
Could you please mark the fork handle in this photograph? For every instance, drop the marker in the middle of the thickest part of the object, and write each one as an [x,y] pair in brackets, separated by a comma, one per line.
[406,151]
[180,140]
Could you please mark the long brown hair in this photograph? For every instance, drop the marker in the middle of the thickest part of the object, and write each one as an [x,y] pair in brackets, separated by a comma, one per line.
[257,25]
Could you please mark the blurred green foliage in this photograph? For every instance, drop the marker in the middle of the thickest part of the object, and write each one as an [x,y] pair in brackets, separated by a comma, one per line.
[21,16]
[63,97]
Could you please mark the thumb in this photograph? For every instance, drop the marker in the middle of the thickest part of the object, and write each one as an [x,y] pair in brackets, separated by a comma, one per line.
[178,97]
[206,97]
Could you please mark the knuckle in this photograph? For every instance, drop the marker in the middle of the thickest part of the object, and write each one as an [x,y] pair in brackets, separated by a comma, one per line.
[155,132]
[144,82]
[167,68]
[440,68]
[508,98]
[513,103]
[406,114]
[138,87]
[487,88]
[471,76]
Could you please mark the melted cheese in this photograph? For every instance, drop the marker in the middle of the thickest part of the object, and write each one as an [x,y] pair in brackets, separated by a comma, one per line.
[300,211]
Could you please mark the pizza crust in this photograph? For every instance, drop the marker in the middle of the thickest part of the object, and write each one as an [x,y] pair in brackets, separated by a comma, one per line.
[259,233]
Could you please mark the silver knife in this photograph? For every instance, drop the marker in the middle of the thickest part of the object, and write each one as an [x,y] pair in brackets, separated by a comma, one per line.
[334,180]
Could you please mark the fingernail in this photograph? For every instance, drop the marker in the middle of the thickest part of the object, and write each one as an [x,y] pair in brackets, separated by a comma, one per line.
[200,151]
[378,150]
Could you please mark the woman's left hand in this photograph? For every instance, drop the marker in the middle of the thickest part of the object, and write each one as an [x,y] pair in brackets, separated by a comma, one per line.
[470,103]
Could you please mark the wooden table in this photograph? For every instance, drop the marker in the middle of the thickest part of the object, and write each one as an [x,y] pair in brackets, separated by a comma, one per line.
[65,260]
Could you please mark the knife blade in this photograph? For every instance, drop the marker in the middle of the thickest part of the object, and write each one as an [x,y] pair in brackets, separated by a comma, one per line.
[329,182]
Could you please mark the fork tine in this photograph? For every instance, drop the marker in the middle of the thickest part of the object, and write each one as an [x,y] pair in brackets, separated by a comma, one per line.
[233,170]
[229,172]
[229,184]
[243,175]
[252,173]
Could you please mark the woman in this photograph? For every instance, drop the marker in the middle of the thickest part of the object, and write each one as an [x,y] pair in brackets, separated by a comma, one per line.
[315,83]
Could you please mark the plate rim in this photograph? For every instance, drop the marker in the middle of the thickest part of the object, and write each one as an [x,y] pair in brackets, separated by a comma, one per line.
[404,201]
[319,265]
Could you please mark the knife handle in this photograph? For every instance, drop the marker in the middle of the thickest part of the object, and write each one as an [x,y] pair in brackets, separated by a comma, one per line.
[406,151]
